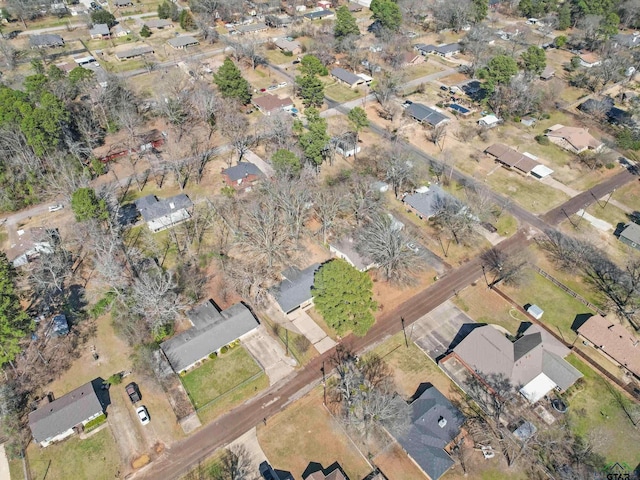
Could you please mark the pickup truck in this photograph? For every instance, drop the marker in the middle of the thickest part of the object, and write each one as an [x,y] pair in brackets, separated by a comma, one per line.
[133,392]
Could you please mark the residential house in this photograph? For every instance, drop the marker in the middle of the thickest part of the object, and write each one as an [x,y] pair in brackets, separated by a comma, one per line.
[631,235]
[548,73]
[429,115]
[541,171]
[99,31]
[346,77]
[268,104]
[346,145]
[445,50]
[251,28]
[346,249]
[411,58]
[30,244]
[182,42]
[590,60]
[47,40]
[425,201]
[628,40]
[435,425]
[489,121]
[318,15]
[242,176]
[534,364]
[292,46]
[165,213]
[314,471]
[134,52]
[158,23]
[354,7]
[574,139]
[614,341]
[211,329]
[324,4]
[510,158]
[123,3]
[278,21]
[68,414]
[120,31]
[294,291]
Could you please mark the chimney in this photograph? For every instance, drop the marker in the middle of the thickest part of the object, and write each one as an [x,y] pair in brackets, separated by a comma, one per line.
[442,422]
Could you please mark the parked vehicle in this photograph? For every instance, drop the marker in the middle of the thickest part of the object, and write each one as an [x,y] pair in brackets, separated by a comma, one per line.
[55,208]
[143,414]
[266,471]
[133,392]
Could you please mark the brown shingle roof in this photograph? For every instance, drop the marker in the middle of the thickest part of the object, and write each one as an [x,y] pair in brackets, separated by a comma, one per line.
[269,103]
[614,340]
[508,156]
[579,138]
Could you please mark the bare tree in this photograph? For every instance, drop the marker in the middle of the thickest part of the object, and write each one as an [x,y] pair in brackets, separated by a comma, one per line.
[399,171]
[504,267]
[328,205]
[477,44]
[235,126]
[49,274]
[437,135]
[491,392]
[236,464]
[394,252]
[455,217]
[363,201]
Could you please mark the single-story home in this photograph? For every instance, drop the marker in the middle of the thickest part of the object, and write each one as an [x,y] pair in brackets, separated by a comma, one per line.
[346,249]
[134,52]
[628,40]
[489,121]
[318,15]
[30,244]
[182,42]
[211,330]
[614,341]
[630,235]
[314,471]
[445,50]
[99,30]
[84,59]
[528,121]
[294,291]
[158,23]
[424,201]
[435,425]
[68,414]
[548,73]
[251,28]
[346,145]
[534,364]
[507,156]
[589,60]
[242,176]
[429,115]
[165,213]
[47,40]
[411,58]
[278,21]
[346,77]
[574,139]
[123,3]
[120,31]
[292,46]
[267,104]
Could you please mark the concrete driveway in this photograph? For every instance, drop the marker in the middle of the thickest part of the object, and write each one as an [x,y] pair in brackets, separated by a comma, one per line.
[249,442]
[310,329]
[270,354]
[436,331]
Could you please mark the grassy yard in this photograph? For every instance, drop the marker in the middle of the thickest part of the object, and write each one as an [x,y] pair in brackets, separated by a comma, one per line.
[610,213]
[95,457]
[305,432]
[422,70]
[232,399]
[124,66]
[341,93]
[595,409]
[506,224]
[560,309]
[219,375]
[629,195]
[277,57]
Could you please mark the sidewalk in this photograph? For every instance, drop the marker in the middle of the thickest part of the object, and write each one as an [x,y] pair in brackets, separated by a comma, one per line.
[4,465]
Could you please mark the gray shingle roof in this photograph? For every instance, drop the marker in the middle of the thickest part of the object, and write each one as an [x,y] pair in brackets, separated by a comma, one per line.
[629,40]
[422,113]
[99,29]
[212,330]
[134,52]
[346,76]
[441,49]
[242,170]
[426,438]
[151,208]
[66,412]
[426,203]
[252,27]
[295,289]
[46,40]
[182,41]
[631,232]
[319,14]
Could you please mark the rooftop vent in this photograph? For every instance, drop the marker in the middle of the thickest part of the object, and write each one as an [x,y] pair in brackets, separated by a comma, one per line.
[172,205]
[442,422]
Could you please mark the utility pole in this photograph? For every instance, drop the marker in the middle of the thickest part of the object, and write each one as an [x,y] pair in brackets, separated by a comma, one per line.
[406,342]
[324,384]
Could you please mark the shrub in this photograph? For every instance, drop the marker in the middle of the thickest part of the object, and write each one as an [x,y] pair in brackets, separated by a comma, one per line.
[183,373]
[163,332]
[542,140]
[287,53]
[610,165]
[516,119]
[224,349]
[302,344]
[96,422]
[98,167]
[115,379]
[213,355]
[102,305]
[145,32]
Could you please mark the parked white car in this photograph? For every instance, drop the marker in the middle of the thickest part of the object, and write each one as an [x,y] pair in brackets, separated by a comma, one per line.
[55,208]
[143,415]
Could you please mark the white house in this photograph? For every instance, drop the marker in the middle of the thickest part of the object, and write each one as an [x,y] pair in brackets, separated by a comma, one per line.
[489,121]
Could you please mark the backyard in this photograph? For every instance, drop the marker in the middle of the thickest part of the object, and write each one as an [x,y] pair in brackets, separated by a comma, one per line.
[305,432]
[95,457]
[224,382]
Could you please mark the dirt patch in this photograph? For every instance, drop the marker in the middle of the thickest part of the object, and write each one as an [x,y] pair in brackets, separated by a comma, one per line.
[389,295]
[395,463]
[140,462]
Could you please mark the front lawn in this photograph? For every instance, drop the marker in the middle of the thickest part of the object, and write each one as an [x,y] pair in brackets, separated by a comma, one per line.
[95,457]
[594,409]
[305,432]
[341,93]
[219,375]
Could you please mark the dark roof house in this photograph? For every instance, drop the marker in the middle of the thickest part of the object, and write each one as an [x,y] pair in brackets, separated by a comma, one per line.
[447,50]
[631,235]
[183,41]
[211,330]
[318,15]
[242,176]
[59,326]
[605,107]
[424,114]
[629,40]
[60,418]
[294,291]
[99,30]
[47,40]
[435,423]
[162,214]
[425,202]
[134,52]
[347,77]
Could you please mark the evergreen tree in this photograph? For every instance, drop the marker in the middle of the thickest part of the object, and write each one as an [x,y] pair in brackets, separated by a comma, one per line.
[168,9]
[500,69]
[387,13]
[286,162]
[343,296]
[357,117]
[230,82]
[145,32]
[102,16]
[564,16]
[311,65]
[86,205]
[480,10]
[311,90]
[534,59]
[187,22]
[15,324]
[345,23]
[314,140]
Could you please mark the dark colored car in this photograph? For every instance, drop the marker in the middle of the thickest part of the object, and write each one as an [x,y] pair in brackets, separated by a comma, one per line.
[267,471]
[133,392]
[444,87]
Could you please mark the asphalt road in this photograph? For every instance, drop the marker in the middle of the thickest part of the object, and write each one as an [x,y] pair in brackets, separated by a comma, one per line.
[184,455]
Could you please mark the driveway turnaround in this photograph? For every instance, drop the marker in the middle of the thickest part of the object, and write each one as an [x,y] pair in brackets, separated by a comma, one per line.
[268,352]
